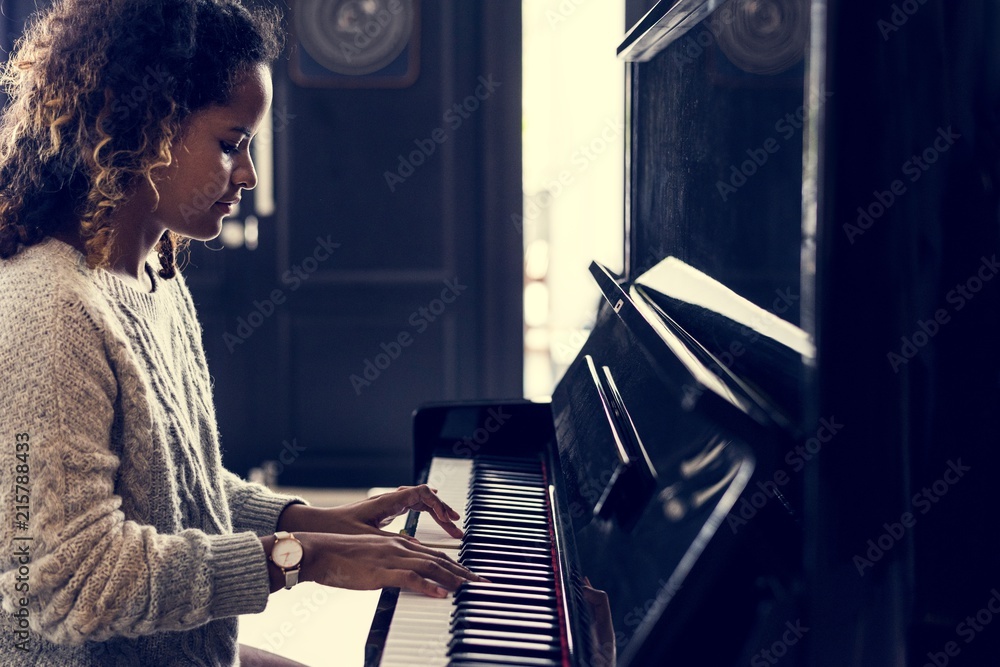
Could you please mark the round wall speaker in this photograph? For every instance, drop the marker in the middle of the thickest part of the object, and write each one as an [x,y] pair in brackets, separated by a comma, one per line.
[763,36]
[355,43]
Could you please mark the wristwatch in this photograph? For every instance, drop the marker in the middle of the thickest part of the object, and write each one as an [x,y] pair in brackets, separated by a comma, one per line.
[287,555]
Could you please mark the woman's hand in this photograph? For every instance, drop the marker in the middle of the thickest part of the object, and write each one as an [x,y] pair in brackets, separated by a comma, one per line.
[368,517]
[368,562]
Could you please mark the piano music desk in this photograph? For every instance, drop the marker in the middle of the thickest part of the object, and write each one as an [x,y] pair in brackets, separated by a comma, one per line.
[317,625]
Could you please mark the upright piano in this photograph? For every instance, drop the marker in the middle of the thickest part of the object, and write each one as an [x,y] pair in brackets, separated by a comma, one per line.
[635,516]
[731,438]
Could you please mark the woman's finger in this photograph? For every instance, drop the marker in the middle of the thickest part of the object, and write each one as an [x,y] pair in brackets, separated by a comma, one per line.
[409,580]
[442,559]
[433,572]
[441,509]
[423,499]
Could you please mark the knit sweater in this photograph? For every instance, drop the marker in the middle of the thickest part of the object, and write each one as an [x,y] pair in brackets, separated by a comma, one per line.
[128,541]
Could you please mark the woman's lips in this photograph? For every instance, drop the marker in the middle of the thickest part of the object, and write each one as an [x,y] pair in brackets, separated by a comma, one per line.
[227,206]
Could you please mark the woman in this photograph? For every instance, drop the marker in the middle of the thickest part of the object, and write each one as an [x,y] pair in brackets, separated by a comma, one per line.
[128,131]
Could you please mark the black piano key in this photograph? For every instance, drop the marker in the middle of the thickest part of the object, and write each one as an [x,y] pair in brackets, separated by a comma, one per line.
[505,488]
[488,461]
[499,516]
[483,491]
[537,505]
[518,579]
[483,525]
[514,571]
[510,480]
[500,595]
[497,586]
[512,539]
[486,542]
[477,547]
[472,659]
[504,519]
[519,466]
[505,647]
[507,474]
[519,482]
[476,551]
[492,606]
[504,565]
[484,621]
[545,618]
[540,509]
[493,519]
[463,634]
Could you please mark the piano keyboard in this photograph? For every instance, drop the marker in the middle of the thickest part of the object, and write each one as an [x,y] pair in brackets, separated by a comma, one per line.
[512,620]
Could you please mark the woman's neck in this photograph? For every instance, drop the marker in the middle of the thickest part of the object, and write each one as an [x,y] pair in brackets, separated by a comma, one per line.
[132,240]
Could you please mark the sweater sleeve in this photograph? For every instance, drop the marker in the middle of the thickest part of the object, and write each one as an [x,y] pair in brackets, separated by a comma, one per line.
[92,574]
[254,507]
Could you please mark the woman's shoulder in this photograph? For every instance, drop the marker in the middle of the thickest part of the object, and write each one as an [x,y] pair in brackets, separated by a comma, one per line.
[45,262]
[45,282]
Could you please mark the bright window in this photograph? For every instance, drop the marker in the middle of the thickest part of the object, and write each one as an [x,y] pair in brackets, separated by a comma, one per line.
[573,135]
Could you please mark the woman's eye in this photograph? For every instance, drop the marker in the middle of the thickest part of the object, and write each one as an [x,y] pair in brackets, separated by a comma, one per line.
[227,148]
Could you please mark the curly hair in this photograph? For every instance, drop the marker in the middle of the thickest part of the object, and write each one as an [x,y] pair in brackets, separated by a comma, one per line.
[98,91]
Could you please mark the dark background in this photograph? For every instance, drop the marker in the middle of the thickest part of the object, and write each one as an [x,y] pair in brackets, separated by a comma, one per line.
[289,382]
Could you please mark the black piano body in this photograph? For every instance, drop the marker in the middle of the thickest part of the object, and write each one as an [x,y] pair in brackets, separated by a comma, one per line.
[778,467]
[665,472]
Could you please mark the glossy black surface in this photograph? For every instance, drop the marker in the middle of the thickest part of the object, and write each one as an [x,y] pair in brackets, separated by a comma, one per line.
[716,153]
[759,350]
[677,567]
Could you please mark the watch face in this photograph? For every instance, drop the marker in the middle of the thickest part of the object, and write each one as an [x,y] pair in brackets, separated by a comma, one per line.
[286,553]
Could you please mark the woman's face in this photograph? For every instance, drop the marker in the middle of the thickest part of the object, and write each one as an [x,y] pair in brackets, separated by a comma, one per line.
[211,161]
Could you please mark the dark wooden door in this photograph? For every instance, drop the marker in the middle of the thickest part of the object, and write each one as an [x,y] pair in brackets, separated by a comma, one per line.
[390,273]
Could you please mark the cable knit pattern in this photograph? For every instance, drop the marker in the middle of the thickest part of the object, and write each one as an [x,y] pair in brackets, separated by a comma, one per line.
[144,549]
